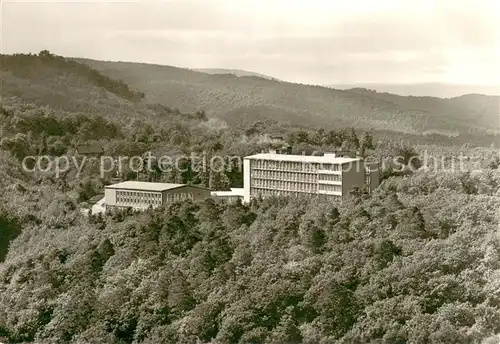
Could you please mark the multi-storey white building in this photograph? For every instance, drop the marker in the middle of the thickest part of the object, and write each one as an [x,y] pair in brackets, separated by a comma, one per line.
[329,175]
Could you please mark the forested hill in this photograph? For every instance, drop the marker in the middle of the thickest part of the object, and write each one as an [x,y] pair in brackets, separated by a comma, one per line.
[483,110]
[241,99]
[62,84]
[116,93]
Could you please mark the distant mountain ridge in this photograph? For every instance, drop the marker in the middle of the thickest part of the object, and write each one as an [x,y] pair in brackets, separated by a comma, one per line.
[243,100]
[237,72]
[484,110]
[439,90]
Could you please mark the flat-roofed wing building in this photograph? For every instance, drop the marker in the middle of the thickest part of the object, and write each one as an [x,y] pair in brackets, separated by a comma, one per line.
[232,196]
[329,175]
[142,195]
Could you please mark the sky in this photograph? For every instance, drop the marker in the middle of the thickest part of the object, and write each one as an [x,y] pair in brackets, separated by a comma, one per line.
[313,42]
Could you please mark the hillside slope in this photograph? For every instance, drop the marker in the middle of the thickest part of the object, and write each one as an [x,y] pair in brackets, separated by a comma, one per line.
[65,85]
[242,99]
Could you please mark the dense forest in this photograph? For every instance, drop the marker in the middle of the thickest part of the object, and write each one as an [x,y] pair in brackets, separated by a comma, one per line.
[417,261]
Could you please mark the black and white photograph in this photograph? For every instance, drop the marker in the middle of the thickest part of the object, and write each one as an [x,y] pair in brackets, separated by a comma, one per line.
[250,171]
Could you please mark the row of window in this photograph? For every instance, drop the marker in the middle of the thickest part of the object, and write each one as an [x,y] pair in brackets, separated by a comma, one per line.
[330,188]
[284,185]
[149,198]
[294,166]
[138,197]
[268,192]
[132,200]
[330,177]
[288,176]
[138,194]
[179,196]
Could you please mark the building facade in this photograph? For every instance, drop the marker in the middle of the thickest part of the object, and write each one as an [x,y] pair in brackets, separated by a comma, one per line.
[330,175]
[142,195]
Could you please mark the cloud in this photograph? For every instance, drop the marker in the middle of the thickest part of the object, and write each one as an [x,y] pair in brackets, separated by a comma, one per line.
[313,42]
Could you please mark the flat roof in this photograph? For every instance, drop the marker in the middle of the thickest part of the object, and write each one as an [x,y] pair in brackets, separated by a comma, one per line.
[325,159]
[233,192]
[145,186]
[95,199]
